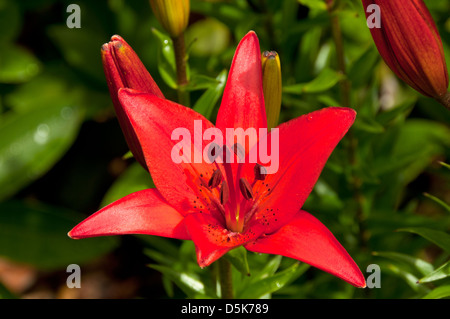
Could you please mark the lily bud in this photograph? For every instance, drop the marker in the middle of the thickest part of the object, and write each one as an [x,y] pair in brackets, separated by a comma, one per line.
[409,43]
[271,71]
[124,69]
[172,14]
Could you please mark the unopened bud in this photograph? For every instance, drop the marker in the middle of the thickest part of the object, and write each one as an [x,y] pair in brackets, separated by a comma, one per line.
[172,14]
[409,42]
[124,69]
[271,69]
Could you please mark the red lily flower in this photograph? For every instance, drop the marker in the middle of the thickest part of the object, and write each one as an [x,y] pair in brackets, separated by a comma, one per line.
[221,206]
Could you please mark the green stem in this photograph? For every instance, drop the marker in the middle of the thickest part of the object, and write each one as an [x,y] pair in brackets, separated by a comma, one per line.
[225,278]
[180,62]
[345,92]
[345,85]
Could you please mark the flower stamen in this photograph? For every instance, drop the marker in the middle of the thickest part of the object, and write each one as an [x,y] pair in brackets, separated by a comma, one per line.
[246,189]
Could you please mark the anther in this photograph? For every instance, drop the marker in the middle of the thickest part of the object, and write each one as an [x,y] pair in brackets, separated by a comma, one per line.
[246,189]
[224,193]
[216,179]
[260,172]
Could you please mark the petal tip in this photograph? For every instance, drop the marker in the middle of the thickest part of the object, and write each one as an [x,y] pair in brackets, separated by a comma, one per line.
[251,35]
[117,37]
[71,234]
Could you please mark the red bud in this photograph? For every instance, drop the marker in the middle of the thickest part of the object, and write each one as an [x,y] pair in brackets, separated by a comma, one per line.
[124,69]
[409,42]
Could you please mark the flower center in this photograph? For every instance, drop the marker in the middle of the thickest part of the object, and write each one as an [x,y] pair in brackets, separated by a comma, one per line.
[239,199]
[228,195]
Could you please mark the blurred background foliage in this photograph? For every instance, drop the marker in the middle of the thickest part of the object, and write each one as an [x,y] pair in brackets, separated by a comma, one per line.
[384,192]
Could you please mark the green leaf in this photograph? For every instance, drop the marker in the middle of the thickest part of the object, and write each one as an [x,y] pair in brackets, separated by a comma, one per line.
[361,70]
[166,59]
[445,165]
[409,278]
[160,257]
[326,79]
[273,283]
[269,269]
[17,65]
[229,13]
[400,111]
[314,4]
[200,82]
[166,245]
[187,282]
[43,91]
[37,235]
[438,293]
[407,156]
[238,258]
[81,49]
[367,124]
[418,264]
[435,236]
[206,103]
[10,20]
[33,142]
[134,179]
[440,273]
[438,201]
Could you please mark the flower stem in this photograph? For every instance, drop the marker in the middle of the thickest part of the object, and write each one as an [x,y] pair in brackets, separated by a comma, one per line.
[225,278]
[345,92]
[445,100]
[345,85]
[180,61]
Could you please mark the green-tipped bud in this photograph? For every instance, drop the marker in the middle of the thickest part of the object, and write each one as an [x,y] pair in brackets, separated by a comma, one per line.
[172,14]
[271,86]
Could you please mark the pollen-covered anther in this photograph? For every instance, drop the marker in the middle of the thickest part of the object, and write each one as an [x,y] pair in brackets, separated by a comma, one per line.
[260,172]
[270,54]
[246,189]
[224,193]
[215,179]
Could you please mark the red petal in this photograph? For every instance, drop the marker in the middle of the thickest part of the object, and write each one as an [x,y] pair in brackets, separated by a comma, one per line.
[211,239]
[143,212]
[305,238]
[154,120]
[132,71]
[305,144]
[243,101]
[124,69]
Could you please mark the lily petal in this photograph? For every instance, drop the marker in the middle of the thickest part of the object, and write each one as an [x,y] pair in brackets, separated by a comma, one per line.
[242,103]
[211,239]
[155,121]
[305,238]
[123,68]
[305,144]
[144,212]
